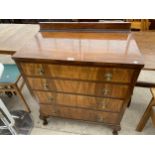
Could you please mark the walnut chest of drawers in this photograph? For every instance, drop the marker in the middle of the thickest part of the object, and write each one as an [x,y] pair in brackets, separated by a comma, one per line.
[81,76]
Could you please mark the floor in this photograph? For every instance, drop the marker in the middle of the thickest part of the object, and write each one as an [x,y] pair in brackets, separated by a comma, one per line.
[57,126]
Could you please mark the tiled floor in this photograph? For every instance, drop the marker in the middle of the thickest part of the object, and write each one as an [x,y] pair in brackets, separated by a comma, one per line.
[57,126]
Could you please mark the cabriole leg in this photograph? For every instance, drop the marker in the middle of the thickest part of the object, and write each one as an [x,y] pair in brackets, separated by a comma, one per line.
[115,130]
[45,122]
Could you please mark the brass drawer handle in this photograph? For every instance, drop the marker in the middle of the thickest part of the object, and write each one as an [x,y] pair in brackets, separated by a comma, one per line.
[46,86]
[105,92]
[41,71]
[108,76]
[104,106]
[50,98]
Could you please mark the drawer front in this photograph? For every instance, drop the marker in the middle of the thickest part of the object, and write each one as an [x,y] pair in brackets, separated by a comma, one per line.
[76,87]
[33,69]
[79,114]
[96,103]
[91,73]
[78,72]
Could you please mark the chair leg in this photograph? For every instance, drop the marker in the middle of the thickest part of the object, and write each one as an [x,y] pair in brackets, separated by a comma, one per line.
[18,92]
[145,116]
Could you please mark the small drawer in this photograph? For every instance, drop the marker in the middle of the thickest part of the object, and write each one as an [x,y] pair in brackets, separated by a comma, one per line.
[76,87]
[79,114]
[33,69]
[121,75]
[96,103]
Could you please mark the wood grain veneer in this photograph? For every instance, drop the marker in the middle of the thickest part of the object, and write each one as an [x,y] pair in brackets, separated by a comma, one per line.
[76,87]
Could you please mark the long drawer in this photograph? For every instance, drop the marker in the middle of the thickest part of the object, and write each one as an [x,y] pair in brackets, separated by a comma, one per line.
[96,103]
[106,74]
[76,87]
[80,114]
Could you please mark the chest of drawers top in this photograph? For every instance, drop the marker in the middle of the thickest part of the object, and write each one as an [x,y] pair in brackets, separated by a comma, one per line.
[83,47]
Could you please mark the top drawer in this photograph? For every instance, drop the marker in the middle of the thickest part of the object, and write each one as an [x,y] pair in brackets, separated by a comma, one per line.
[106,74]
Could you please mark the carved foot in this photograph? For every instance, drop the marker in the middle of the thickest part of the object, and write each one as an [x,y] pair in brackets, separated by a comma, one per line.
[45,122]
[115,132]
[116,129]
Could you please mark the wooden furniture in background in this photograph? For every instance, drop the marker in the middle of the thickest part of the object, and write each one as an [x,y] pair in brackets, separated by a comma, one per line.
[14,36]
[83,26]
[145,41]
[12,39]
[11,82]
[149,113]
[146,44]
[139,24]
[81,75]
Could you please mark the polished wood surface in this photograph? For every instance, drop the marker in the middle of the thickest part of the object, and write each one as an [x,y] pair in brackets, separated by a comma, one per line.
[14,36]
[146,44]
[101,48]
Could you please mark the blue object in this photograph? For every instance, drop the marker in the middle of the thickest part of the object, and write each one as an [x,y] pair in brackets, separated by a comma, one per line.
[10,73]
